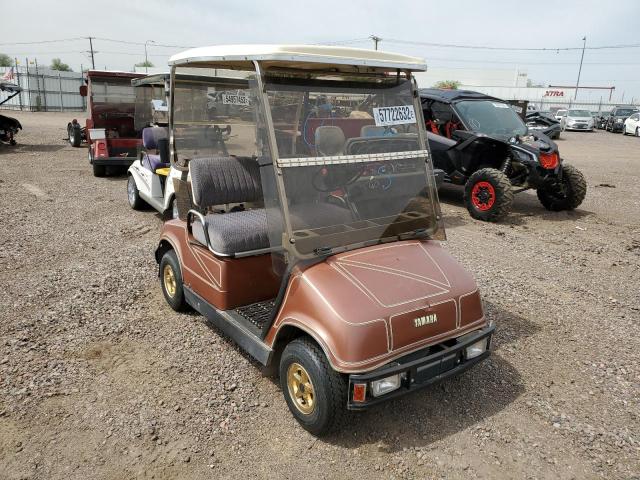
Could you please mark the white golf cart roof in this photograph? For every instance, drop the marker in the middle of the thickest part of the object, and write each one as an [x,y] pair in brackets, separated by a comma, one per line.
[300,57]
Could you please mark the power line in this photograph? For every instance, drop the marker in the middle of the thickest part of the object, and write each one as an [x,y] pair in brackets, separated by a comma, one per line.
[43,41]
[520,49]
[126,42]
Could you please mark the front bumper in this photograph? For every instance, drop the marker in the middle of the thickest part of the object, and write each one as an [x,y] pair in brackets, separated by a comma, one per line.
[617,127]
[422,368]
[114,161]
[579,127]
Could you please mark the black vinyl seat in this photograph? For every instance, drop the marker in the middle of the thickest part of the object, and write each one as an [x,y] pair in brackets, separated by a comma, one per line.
[228,180]
[224,180]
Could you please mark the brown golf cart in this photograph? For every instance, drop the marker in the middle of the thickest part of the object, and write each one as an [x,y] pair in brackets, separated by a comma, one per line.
[310,240]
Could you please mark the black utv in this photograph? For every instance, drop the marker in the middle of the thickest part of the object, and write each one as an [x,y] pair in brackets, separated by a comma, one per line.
[481,142]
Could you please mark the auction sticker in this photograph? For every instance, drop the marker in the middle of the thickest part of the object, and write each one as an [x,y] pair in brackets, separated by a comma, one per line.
[400,115]
[235,99]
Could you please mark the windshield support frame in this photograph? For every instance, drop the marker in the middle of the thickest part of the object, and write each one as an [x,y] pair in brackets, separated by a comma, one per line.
[274,157]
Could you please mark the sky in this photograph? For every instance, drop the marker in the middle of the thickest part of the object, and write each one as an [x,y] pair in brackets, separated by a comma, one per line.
[499,23]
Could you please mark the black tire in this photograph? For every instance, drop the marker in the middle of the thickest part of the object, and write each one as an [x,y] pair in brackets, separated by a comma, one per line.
[99,170]
[488,195]
[172,289]
[624,130]
[170,213]
[574,188]
[133,195]
[75,135]
[637,131]
[329,388]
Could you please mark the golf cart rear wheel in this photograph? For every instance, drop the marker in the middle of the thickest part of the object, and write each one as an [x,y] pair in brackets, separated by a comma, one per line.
[133,194]
[98,170]
[488,195]
[171,281]
[315,393]
[571,195]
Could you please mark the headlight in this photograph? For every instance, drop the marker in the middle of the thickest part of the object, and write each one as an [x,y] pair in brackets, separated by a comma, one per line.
[386,385]
[619,120]
[476,349]
[571,121]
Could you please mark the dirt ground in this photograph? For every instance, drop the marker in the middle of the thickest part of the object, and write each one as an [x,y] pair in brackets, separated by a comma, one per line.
[100,379]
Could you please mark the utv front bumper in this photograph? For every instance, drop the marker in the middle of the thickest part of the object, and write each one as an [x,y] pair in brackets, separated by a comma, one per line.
[420,369]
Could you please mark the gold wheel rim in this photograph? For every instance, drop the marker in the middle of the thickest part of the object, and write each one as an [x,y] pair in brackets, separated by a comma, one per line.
[169,280]
[301,389]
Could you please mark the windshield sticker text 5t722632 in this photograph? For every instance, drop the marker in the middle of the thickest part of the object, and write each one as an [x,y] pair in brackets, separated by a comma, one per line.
[400,115]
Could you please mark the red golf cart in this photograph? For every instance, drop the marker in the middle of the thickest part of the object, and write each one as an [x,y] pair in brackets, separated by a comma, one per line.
[109,131]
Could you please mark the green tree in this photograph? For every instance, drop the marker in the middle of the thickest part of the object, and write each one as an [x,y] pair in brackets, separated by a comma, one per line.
[56,64]
[146,63]
[447,84]
[5,60]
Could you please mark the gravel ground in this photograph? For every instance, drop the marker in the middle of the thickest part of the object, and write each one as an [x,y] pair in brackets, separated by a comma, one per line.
[100,379]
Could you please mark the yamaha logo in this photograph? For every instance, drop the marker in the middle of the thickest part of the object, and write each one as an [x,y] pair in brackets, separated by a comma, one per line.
[425,320]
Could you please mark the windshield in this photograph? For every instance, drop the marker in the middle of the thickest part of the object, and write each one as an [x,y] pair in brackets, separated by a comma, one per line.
[212,118]
[623,112]
[491,118]
[579,113]
[353,168]
[113,92]
[146,114]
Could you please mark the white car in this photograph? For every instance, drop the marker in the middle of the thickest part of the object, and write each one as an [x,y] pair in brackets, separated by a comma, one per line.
[632,125]
[576,119]
[561,116]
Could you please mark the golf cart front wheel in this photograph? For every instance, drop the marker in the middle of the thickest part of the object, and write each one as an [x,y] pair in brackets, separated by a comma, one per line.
[488,195]
[315,393]
[171,281]
[571,193]
[133,194]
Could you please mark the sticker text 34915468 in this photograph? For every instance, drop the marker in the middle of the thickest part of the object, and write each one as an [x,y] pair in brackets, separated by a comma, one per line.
[400,115]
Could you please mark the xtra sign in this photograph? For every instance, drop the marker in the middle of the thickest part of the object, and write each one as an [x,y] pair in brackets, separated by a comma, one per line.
[553,93]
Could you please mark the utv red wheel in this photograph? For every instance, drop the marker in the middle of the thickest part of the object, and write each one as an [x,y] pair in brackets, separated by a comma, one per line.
[483,196]
[488,195]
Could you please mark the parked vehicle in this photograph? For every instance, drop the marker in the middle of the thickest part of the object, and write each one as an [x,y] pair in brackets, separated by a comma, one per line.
[561,116]
[109,131]
[483,144]
[632,125]
[311,243]
[9,126]
[601,121]
[150,177]
[577,119]
[539,122]
[617,117]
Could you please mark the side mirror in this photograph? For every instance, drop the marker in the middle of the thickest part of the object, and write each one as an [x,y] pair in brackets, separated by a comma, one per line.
[83,90]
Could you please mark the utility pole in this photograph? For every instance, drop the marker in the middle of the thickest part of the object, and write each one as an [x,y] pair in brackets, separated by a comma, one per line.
[375,41]
[146,58]
[584,44]
[93,62]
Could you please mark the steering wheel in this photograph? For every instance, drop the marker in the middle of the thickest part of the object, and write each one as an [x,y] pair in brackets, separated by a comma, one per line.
[334,179]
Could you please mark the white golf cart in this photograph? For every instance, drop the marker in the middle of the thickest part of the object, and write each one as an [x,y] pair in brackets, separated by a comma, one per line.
[148,176]
[151,176]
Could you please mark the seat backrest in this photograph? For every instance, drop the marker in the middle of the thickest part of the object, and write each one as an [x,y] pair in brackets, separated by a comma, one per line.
[221,180]
[371,131]
[151,135]
[329,140]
